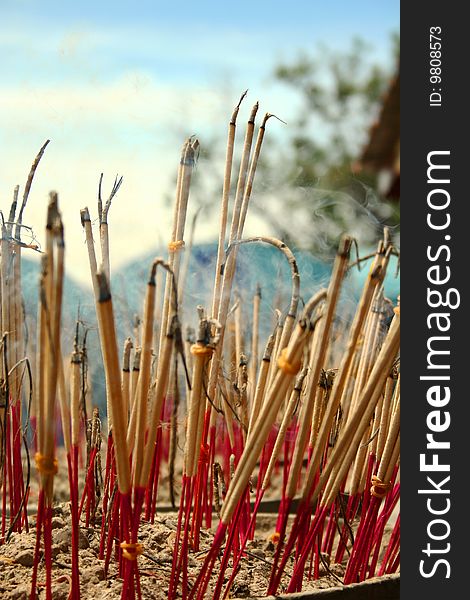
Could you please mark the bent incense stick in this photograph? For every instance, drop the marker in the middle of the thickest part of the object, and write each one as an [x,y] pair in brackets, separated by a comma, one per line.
[51,287]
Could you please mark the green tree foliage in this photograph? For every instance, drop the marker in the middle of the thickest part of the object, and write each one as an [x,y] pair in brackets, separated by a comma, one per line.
[306,187]
[339,96]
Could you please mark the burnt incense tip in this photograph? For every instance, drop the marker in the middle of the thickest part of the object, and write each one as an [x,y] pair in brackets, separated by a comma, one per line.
[174,328]
[59,231]
[104,293]
[76,357]
[258,290]
[237,108]
[127,355]
[267,116]
[52,209]
[254,110]
[242,97]
[381,247]
[189,152]
[85,216]
[299,380]
[153,273]
[269,348]
[387,236]
[345,246]
[137,355]
[16,191]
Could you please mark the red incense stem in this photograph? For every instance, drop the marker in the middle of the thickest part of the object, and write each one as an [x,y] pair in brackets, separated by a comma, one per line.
[107,487]
[39,522]
[351,509]
[297,576]
[276,572]
[202,581]
[248,535]
[72,463]
[392,545]
[231,535]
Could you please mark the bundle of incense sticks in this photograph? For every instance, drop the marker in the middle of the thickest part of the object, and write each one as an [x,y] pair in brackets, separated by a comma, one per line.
[15,367]
[314,404]
[50,361]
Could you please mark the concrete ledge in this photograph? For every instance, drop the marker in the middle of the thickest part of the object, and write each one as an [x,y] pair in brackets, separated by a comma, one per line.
[377,588]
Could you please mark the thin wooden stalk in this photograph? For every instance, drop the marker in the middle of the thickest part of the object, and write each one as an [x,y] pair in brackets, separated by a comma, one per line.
[27,188]
[295,285]
[334,472]
[18,321]
[112,368]
[322,397]
[144,379]
[176,244]
[16,332]
[187,255]
[156,401]
[86,224]
[202,352]
[280,439]
[288,367]
[317,362]
[126,376]
[292,406]
[158,317]
[369,350]
[277,346]
[350,438]
[374,278]
[64,404]
[75,391]
[242,386]
[238,333]
[54,311]
[269,411]
[135,377]
[104,229]
[51,288]
[388,458]
[251,176]
[376,424]
[380,486]
[346,399]
[255,340]
[370,345]
[173,434]
[224,208]
[227,410]
[229,265]
[41,362]
[261,383]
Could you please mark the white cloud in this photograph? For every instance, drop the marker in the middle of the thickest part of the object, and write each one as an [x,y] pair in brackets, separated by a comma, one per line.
[122,100]
[134,126]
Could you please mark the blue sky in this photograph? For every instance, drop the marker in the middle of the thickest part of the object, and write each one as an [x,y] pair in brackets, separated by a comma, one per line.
[188,39]
[117,86]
